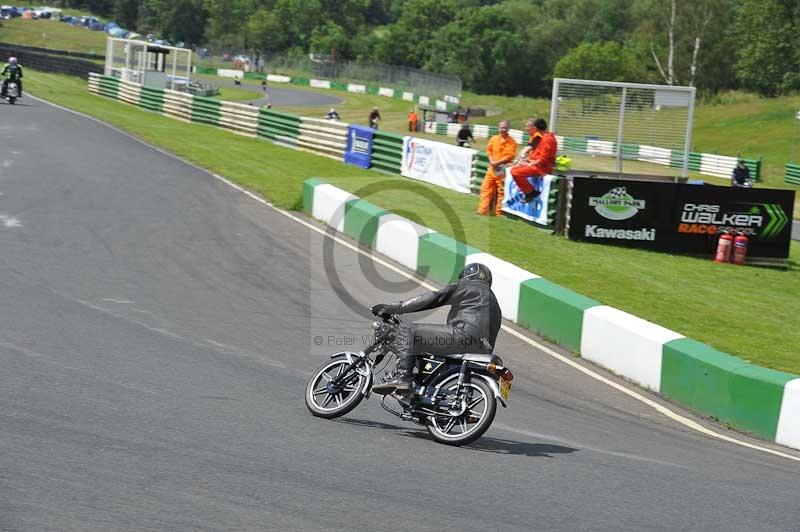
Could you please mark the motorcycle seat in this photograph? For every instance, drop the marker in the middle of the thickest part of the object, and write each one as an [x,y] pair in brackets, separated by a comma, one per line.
[476,357]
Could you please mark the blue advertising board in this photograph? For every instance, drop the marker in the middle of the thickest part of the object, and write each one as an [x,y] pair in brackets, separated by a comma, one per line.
[359,146]
[536,211]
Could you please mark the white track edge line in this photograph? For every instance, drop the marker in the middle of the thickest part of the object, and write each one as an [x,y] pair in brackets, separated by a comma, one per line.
[633,394]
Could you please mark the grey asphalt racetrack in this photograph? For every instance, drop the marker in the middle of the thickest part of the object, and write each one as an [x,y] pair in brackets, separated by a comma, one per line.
[282,97]
[157,328]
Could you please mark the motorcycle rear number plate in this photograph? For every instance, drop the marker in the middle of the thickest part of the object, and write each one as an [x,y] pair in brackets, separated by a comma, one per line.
[505,389]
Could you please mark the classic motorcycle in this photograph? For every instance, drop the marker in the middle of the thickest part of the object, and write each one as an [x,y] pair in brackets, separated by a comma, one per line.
[454,396]
[12,92]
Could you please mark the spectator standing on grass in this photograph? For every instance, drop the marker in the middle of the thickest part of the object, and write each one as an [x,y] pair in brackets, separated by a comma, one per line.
[464,136]
[538,162]
[501,150]
[264,86]
[412,120]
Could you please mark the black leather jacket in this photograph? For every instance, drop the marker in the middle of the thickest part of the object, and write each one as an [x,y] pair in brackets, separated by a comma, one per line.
[473,308]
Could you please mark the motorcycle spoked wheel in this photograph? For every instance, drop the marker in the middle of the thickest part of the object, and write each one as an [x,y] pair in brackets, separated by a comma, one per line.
[327,402]
[481,407]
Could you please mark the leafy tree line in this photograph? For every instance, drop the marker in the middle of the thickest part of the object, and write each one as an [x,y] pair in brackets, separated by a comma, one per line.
[503,47]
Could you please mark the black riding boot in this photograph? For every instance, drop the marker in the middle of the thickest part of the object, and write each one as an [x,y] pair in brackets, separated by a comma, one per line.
[400,383]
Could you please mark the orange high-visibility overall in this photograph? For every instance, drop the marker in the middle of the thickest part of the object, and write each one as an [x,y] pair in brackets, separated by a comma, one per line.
[499,150]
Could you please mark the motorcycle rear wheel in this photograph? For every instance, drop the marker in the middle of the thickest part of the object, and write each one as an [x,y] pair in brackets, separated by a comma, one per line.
[473,422]
[329,402]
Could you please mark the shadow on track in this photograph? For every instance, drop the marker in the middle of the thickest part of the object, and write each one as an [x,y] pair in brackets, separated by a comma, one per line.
[484,444]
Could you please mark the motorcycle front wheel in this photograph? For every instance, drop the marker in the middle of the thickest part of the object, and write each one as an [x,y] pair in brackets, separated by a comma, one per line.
[326,400]
[466,422]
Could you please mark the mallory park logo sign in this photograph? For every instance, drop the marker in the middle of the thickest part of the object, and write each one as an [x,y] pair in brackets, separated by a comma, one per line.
[616,204]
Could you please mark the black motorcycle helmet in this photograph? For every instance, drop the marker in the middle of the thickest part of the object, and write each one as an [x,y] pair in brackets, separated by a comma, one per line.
[477,272]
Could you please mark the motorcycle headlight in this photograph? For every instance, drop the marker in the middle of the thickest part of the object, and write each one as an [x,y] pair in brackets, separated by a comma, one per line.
[376,327]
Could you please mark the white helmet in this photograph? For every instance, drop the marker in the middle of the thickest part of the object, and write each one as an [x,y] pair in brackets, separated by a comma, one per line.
[12,60]
[332,110]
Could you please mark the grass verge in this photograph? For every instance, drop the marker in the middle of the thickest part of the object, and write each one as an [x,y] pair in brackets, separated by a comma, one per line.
[233,94]
[748,312]
[54,35]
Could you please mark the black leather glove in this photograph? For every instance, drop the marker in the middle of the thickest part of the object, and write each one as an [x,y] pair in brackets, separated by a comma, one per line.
[384,309]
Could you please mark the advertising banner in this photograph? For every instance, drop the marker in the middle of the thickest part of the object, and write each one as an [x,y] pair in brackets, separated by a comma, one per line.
[680,218]
[359,146]
[537,211]
[437,163]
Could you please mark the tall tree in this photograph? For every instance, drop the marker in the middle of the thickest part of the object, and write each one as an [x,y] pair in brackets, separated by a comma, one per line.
[767,35]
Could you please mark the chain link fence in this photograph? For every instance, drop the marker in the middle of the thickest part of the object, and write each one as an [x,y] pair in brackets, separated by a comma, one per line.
[311,66]
[607,123]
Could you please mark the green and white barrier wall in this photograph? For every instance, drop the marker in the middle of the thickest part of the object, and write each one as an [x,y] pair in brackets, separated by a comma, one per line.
[322,137]
[792,174]
[759,400]
[445,103]
[704,163]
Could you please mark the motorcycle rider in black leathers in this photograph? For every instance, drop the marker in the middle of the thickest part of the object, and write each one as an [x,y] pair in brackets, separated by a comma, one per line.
[472,324]
[12,71]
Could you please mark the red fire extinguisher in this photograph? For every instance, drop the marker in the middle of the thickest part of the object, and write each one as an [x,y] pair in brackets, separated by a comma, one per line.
[740,248]
[724,247]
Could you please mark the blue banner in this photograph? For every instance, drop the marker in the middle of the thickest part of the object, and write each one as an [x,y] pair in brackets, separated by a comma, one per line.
[359,146]
[536,211]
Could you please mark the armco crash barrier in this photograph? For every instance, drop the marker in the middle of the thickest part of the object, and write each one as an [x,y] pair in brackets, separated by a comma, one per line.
[762,401]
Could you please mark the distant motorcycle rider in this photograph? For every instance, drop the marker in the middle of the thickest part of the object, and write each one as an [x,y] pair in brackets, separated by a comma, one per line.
[472,324]
[12,71]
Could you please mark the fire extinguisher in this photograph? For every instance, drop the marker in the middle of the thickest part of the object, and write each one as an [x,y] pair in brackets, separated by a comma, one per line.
[740,248]
[724,247]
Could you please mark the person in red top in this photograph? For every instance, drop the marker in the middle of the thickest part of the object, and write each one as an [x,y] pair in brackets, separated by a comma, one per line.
[539,162]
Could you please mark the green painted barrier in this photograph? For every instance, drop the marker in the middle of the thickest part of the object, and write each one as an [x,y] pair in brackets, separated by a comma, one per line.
[553,311]
[442,257]
[715,383]
[152,99]
[361,220]
[387,151]
[792,174]
[308,193]
[109,87]
[206,111]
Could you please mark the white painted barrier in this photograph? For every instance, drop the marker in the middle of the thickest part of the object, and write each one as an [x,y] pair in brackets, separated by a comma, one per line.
[408,96]
[356,88]
[383,91]
[229,73]
[320,83]
[398,239]
[329,204]
[789,420]
[653,154]
[600,147]
[278,78]
[506,281]
[625,344]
